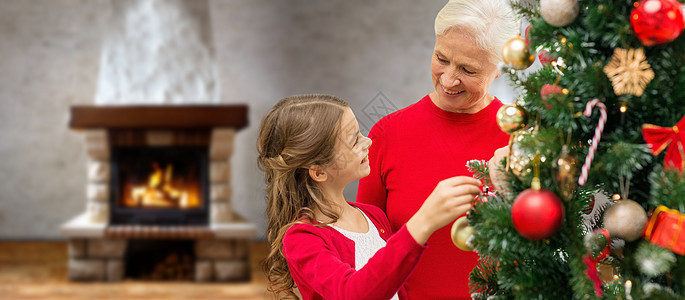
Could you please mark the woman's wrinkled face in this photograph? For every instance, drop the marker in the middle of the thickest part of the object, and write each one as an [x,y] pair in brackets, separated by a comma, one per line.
[462,74]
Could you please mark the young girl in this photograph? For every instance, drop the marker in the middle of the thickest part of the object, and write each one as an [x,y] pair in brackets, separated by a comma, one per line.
[310,148]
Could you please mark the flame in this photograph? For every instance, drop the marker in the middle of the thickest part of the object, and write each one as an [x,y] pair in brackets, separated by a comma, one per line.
[163,190]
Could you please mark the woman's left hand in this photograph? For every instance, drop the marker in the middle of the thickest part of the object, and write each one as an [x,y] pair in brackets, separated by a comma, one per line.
[495,169]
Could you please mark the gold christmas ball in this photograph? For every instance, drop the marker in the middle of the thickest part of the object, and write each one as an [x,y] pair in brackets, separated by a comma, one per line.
[461,232]
[511,118]
[516,53]
[567,174]
[625,220]
[520,158]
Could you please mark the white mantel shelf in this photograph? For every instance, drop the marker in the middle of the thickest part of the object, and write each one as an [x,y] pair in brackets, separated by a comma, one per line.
[82,227]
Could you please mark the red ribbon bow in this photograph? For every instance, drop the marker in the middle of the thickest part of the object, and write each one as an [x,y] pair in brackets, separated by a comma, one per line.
[591,262]
[659,138]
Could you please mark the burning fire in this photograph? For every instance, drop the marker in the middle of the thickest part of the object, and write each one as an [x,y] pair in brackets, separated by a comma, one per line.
[163,190]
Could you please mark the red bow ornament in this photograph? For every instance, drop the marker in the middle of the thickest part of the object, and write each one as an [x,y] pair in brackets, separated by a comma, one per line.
[591,262]
[673,138]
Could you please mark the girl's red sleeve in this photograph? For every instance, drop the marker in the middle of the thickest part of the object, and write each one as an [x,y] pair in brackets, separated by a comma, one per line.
[316,265]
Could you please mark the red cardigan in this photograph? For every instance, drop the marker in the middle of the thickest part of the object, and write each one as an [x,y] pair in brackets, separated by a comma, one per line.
[321,261]
[413,149]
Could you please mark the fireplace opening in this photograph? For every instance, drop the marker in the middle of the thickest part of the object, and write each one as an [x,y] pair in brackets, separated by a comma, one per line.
[159,185]
[160,260]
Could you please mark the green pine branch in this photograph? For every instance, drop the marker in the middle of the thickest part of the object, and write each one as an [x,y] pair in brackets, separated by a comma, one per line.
[623,164]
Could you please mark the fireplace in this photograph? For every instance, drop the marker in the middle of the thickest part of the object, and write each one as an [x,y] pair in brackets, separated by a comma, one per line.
[159,186]
[159,192]
[160,260]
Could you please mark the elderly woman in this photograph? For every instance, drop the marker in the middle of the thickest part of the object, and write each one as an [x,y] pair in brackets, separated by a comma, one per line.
[418,146]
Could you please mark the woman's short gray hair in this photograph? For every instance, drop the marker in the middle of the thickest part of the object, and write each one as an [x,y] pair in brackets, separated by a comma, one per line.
[490,23]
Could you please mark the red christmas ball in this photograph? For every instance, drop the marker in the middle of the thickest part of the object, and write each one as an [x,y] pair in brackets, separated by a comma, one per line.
[545,57]
[537,214]
[657,21]
[547,90]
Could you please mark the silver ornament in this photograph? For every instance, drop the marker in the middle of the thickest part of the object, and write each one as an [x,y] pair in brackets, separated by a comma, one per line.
[625,220]
[559,13]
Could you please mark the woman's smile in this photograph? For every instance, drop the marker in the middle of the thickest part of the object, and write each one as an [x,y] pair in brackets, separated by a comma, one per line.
[451,92]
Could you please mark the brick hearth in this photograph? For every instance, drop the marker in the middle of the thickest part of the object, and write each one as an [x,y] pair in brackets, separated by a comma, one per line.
[97,248]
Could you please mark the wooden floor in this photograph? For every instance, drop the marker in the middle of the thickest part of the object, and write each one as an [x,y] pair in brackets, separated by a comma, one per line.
[38,270]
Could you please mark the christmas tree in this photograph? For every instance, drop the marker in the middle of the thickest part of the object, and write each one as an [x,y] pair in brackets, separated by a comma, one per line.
[604,115]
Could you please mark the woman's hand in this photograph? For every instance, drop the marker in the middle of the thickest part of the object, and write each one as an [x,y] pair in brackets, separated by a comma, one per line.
[494,166]
[450,199]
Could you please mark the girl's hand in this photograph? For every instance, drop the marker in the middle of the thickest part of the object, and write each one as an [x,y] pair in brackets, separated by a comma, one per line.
[450,199]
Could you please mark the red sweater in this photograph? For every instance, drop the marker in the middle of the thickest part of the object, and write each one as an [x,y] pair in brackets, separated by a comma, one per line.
[413,149]
[321,261]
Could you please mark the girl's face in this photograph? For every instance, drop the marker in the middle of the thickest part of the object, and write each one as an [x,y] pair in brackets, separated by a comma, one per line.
[462,74]
[351,152]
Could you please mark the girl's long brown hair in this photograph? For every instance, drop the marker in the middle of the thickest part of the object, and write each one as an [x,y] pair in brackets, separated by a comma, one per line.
[297,133]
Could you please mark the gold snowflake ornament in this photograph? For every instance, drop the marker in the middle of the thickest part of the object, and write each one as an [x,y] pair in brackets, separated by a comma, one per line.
[629,71]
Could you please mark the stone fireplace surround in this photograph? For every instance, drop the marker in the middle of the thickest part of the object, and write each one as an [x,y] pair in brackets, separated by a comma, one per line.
[97,248]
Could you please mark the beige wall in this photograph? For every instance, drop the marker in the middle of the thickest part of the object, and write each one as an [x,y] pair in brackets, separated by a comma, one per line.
[265,50]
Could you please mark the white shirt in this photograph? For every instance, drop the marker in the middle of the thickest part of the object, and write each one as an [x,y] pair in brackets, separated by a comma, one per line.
[366,244]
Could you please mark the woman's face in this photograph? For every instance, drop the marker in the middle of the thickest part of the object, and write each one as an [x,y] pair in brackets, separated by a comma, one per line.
[462,74]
